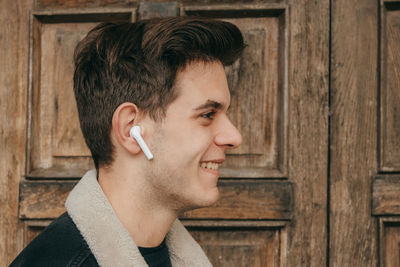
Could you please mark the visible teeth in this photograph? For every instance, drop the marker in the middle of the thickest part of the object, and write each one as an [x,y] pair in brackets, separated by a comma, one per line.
[209,165]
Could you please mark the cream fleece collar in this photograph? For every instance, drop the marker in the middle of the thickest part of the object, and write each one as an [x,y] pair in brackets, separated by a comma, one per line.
[110,242]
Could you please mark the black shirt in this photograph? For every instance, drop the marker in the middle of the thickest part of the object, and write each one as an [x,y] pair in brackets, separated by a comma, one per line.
[156,256]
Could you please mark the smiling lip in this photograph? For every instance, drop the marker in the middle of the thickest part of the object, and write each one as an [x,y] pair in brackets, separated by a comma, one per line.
[211,166]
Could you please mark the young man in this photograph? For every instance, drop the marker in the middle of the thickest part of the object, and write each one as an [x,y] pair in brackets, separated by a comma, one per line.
[167,77]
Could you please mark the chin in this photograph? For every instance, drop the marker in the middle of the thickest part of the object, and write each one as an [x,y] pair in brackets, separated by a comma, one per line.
[215,197]
[204,200]
[210,198]
[209,189]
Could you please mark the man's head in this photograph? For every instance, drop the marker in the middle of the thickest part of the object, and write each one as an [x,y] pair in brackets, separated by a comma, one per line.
[190,143]
[138,63]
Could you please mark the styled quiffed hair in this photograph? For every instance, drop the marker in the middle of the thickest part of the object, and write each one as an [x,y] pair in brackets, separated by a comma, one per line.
[137,63]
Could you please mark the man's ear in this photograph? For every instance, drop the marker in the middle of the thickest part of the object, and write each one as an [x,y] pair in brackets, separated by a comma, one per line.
[124,117]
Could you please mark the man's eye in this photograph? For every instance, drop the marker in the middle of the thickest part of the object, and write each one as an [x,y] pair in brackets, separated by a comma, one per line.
[209,115]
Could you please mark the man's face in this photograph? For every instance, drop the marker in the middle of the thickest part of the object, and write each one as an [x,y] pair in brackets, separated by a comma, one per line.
[190,143]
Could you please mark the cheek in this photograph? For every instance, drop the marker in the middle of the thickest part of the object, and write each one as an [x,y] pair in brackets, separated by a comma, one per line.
[192,137]
[200,141]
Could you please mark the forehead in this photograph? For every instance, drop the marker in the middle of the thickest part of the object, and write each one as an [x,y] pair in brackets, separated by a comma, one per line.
[199,82]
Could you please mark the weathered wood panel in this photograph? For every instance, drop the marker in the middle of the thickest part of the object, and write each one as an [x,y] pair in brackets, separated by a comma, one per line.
[60,4]
[389,241]
[255,200]
[56,145]
[58,114]
[298,111]
[14,47]
[148,10]
[308,131]
[241,247]
[353,147]
[43,200]
[250,200]
[386,196]
[65,4]
[55,127]
[258,88]
[390,87]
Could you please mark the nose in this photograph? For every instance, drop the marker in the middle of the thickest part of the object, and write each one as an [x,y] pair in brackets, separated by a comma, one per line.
[228,135]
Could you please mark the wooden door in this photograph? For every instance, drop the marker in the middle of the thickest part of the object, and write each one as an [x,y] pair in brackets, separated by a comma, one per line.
[365,134]
[273,210]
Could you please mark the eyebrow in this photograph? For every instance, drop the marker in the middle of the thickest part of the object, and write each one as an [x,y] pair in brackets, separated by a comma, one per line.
[210,104]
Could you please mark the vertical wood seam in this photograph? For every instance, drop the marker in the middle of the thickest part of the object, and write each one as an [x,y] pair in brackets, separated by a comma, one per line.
[328,180]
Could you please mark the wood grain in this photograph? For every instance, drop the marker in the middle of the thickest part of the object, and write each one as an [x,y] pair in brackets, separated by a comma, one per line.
[56,144]
[392,246]
[389,236]
[389,89]
[43,200]
[58,107]
[386,196]
[149,10]
[257,200]
[353,147]
[64,4]
[14,47]
[60,4]
[308,131]
[294,128]
[250,200]
[55,126]
[240,247]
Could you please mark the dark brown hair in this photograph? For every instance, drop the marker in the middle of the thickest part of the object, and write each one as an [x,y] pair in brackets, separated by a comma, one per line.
[137,62]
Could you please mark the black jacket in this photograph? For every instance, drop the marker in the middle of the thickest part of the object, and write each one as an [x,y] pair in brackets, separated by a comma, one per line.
[90,222]
[60,244]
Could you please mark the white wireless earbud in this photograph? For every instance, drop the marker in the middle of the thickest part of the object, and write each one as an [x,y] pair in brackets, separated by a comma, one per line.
[135,133]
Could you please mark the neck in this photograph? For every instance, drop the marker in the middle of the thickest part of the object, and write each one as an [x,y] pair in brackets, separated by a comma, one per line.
[146,220]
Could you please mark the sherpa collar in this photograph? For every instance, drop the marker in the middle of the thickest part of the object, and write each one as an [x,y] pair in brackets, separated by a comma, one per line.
[110,242]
